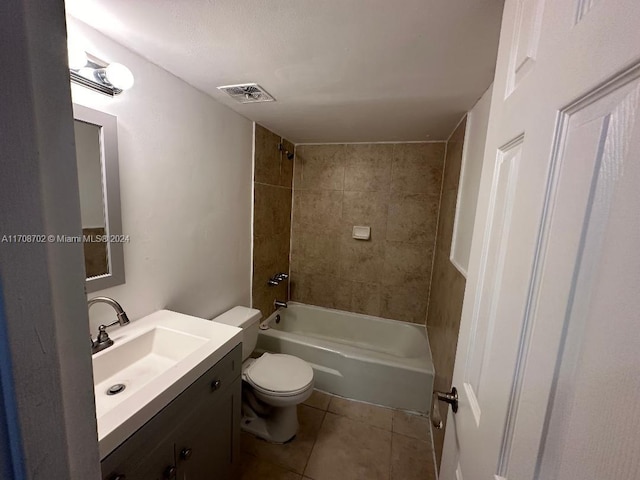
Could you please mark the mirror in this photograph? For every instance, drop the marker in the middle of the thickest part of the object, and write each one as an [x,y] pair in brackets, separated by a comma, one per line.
[99,187]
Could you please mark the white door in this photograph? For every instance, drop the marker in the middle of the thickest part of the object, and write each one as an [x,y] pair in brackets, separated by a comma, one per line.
[548,359]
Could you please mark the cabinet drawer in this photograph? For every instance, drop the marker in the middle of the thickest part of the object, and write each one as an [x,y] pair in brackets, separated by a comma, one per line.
[215,380]
[201,394]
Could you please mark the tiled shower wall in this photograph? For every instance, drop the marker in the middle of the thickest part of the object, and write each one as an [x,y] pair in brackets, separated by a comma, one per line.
[272,218]
[447,292]
[394,189]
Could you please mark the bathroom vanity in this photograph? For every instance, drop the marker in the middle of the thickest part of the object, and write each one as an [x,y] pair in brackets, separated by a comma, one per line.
[175,412]
[195,436]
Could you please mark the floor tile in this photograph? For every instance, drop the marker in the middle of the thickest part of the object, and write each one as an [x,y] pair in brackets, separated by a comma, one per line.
[318,399]
[411,425]
[411,459]
[292,455]
[349,450]
[380,417]
[254,468]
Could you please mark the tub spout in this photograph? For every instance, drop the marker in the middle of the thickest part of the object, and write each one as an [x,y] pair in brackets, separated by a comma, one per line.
[278,304]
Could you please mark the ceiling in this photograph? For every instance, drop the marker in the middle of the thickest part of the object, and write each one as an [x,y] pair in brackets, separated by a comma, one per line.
[340,70]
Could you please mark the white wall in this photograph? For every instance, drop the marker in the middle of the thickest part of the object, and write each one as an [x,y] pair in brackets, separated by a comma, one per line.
[185,186]
[472,158]
[89,174]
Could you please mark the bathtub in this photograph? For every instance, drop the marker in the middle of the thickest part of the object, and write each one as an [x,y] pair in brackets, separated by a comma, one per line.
[366,358]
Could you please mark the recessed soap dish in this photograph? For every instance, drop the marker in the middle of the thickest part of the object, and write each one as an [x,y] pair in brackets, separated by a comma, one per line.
[361,233]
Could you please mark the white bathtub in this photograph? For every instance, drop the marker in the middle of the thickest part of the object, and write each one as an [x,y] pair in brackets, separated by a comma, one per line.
[366,358]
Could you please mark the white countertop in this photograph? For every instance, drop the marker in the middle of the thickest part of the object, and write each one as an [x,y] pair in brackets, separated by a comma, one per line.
[121,415]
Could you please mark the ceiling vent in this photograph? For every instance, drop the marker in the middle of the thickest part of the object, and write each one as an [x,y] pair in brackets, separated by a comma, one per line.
[247,93]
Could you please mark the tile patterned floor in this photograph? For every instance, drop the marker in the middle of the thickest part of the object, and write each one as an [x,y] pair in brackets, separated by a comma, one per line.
[341,439]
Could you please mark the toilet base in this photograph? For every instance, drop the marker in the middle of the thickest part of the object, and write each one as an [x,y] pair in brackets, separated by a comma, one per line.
[280,426]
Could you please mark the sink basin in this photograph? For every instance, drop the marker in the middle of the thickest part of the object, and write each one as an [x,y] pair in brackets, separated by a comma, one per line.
[137,362]
[151,362]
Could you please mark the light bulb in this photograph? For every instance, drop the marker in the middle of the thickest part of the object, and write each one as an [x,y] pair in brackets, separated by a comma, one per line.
[77,56]
[119,76]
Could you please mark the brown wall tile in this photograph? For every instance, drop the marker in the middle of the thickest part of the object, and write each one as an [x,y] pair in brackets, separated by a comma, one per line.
[272,167]
[404,303]
[317,253]
[411,218]
[361,261]
[365,208]
[319,167]
[407,264]
[368,167]
[320,210]
[417,168]
[272,210]
[324,290]
[366,298]
[286,165]
[267,157]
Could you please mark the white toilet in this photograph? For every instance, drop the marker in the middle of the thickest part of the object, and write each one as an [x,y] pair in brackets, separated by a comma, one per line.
[273,384]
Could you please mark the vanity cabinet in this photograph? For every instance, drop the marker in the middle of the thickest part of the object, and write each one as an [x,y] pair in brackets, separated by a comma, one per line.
[196,436]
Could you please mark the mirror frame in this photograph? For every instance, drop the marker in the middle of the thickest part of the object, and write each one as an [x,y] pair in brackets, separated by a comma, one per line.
[110,194]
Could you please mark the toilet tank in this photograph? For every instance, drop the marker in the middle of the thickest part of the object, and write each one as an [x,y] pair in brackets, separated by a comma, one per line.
[248,320]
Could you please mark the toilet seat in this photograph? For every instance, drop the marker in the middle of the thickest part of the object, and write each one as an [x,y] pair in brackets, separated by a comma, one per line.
[279,375]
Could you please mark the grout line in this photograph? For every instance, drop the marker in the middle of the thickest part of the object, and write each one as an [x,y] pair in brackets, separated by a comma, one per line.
[315,440]
[457,125]
[433,450]
[271,185]
[413,438]
[370,143]
[435,240]
[391,457]
[293,183]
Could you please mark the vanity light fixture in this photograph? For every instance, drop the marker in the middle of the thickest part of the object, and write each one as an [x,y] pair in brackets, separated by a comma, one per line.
[91,72]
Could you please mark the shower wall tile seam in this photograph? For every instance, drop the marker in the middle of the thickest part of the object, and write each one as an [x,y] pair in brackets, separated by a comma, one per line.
[435,239]
[272,185]
[293,180]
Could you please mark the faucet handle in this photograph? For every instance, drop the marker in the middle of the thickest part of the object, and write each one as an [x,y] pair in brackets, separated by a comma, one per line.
[103,336]
[277,278]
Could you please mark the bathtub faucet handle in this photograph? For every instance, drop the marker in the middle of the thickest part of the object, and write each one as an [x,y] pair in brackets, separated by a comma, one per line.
[277,278]
[278,304]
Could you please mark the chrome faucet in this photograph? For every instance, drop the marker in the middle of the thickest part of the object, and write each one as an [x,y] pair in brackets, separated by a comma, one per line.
[277,278]
[103,341]
[278,304]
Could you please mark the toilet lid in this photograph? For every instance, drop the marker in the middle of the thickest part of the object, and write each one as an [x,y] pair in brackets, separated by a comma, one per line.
[279,373]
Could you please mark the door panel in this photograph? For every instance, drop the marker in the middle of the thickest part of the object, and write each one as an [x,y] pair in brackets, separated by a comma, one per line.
[525,45]
[501,208]
[596,382]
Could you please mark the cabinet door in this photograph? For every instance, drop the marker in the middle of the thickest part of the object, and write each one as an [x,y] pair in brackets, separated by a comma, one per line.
[207,443]
[155,464]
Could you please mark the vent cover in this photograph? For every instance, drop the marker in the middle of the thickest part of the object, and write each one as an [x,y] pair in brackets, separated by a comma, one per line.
[247,93]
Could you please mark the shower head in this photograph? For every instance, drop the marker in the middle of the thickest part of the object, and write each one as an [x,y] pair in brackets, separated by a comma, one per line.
[286,152]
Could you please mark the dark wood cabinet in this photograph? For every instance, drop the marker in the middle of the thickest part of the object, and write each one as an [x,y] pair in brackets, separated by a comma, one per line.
[196,436]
